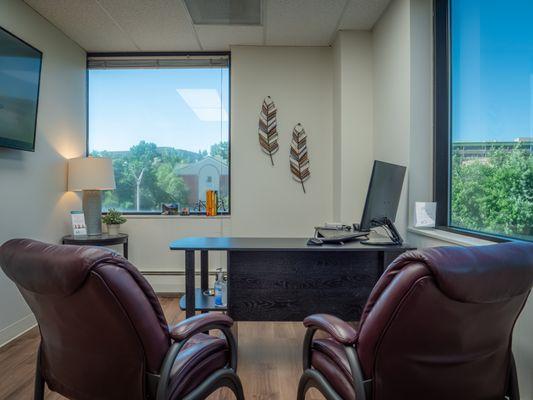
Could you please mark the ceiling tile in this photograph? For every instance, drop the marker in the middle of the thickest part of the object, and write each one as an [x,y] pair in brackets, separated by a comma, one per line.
[165,25]
[301,22]
[217,37]
[85,22]
[156,25]
[363,14]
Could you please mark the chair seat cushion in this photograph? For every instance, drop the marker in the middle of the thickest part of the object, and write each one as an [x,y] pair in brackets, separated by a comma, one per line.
[329,358]
[200,357]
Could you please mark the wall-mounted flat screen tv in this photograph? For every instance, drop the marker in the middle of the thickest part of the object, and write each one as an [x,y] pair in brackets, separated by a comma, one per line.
[20,73]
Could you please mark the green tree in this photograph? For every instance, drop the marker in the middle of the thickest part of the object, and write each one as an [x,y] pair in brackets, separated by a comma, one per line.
[172,185]
[220,150]
[494,194]
[139,168]
[146,176]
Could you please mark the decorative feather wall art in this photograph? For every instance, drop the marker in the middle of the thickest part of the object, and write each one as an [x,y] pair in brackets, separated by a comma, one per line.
[268,130]
[298,159]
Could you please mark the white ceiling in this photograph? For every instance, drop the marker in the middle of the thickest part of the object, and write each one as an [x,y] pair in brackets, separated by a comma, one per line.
[165,25]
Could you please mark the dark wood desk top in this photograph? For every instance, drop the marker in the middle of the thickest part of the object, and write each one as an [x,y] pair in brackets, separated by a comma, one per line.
[271,244]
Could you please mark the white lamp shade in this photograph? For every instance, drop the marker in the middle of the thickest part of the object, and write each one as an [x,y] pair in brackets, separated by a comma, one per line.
[90,173]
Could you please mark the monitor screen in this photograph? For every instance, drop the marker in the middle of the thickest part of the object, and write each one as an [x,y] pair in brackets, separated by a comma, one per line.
[20,71]
[383,193]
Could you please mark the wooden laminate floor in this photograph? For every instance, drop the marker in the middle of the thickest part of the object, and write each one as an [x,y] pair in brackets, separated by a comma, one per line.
[269,360]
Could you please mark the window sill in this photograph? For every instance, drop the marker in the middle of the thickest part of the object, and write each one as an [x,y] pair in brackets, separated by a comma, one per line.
[160,216]
[449,237]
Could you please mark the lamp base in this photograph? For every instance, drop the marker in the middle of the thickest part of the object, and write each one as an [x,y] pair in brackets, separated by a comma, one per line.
[92,208]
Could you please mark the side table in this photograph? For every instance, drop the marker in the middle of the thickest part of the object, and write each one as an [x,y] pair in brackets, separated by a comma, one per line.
[99,240]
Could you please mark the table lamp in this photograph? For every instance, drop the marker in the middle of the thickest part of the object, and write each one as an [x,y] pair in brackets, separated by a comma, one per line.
[91,175]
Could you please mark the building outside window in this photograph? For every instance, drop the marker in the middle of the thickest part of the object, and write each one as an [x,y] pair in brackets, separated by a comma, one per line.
[490,176]
[164,121]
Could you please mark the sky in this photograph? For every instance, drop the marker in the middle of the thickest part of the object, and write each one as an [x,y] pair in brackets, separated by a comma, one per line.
[183,108]
[492,69]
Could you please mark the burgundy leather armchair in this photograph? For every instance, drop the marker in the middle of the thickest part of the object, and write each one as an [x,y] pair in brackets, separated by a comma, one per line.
[438,325]
[104,335]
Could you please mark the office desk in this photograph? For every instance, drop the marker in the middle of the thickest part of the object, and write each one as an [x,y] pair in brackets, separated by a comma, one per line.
[284,279]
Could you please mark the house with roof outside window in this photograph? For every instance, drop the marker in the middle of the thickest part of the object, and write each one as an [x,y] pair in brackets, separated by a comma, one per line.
[210,173]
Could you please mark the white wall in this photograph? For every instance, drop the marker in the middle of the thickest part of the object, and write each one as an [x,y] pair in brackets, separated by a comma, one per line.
[403,98]
[392,93]
[353,132]
[265,200]
[33,201]
[420,185]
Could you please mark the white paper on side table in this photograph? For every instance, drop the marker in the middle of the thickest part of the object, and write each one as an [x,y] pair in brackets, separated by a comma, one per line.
[425,214]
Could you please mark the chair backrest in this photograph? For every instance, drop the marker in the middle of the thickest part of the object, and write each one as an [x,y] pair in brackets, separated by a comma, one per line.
[102,327]
[439,322]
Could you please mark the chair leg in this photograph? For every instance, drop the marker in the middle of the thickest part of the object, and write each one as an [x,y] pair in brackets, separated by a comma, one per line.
[235,386]
[303,387]
[513,392]
[222,378]
[312,378]
[38,393]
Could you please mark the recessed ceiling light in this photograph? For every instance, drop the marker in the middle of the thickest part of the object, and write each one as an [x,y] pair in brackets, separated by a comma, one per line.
[224,12]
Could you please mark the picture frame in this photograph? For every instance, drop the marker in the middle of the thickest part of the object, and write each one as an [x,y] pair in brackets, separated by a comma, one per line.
[78,223]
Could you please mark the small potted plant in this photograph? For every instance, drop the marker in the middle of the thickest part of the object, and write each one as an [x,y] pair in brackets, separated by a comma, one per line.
[113,219]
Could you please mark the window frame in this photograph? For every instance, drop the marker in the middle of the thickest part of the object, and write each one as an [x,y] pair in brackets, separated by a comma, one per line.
[442,149]
[163,54]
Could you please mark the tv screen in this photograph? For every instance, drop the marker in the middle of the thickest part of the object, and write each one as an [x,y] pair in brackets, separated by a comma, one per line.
[20,72]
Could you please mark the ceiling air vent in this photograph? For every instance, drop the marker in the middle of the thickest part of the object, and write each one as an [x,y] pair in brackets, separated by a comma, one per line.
[225,12]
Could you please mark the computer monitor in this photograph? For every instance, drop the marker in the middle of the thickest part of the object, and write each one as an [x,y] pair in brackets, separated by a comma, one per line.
[383,193]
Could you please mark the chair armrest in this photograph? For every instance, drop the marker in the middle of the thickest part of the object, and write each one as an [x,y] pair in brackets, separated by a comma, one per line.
[340,330]
[199,323]
[182,332]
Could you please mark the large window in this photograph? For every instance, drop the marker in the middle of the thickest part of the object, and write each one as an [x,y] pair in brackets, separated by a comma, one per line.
[484,116]
[164,121]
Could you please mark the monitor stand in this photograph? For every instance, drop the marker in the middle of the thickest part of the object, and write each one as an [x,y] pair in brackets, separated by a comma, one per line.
[392,233]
